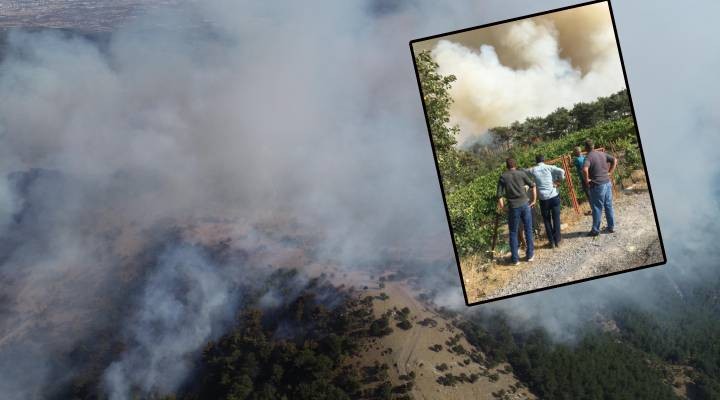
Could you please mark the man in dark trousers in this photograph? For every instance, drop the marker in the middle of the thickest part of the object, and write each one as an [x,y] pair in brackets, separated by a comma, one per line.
[547,178]
[511,185]
[597,170]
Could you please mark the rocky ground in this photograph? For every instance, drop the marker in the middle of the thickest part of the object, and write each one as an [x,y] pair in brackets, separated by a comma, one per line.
[635,243]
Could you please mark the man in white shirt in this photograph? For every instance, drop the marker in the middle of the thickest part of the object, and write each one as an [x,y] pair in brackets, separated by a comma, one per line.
[547,177]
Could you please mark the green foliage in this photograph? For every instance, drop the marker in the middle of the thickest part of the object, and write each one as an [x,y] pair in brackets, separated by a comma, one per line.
[384,391]
[435,90]
[630,150]
[631,362]
[404,324]
[597,367]
[380,327]
[558,123]
[586,115]
[402,317]
[297,352]
[472,206]
[685,333]
[436,347]
[562,121]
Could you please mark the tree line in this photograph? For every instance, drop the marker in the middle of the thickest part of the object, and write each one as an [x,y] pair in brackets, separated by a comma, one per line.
[561,122]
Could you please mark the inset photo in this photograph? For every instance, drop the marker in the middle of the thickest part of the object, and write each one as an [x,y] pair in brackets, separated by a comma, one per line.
[538,152]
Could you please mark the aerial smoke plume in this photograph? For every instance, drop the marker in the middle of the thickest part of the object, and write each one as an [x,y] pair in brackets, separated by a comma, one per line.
[528,68]
[236,112]
[249,113]
[183,305]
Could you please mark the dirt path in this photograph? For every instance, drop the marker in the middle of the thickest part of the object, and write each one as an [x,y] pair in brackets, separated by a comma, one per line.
[634,243]
[412,352]
[403,297]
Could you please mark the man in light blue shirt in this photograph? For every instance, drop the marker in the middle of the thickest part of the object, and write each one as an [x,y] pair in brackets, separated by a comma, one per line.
[547,177]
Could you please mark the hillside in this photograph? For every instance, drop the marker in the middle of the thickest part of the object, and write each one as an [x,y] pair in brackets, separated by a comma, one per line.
[322,333]
[297,324]
[431,350]
[618,351]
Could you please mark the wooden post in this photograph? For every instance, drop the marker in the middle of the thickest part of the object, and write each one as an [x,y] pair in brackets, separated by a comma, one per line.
[495,235]
[568,180]
[612,178]
[571,187]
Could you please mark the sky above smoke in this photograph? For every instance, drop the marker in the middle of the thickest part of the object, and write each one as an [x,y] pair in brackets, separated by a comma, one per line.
[310,111]
[528,68]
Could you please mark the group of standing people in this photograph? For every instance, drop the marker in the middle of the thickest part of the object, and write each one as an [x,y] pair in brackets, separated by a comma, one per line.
[523,187]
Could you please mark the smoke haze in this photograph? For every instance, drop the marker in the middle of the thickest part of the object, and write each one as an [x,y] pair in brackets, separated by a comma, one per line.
[262,115]
[184,302]
[305,113]
[528,68]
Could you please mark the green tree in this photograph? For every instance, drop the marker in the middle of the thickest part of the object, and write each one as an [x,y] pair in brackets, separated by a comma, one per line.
[587,115]
[534,128]
[241,388]
[504,135]
[559,123]
[517,130]
[435,90]
[616,105]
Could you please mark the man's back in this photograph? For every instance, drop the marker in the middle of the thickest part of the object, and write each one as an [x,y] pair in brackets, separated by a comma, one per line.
[512,186]
[545,175]
[598,166]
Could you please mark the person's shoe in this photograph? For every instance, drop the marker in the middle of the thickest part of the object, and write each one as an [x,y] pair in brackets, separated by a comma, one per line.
[514,263]
[531,259]
[609,230]
[557,245]
[593,233]
[552,245]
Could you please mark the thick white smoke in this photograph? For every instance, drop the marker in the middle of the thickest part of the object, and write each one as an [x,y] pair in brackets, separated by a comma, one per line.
[520,69]
[183,305]
[310,111]
[234,111]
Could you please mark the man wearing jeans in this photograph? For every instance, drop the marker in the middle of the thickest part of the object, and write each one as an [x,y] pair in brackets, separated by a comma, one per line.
[547,177]
[512,185]
[597,170]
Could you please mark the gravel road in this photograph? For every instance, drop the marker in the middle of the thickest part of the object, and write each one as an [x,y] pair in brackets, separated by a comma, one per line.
[634,243]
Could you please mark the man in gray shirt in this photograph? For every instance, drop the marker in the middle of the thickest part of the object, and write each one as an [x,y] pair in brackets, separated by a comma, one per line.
[511,185]
[597,171]
[547,177]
